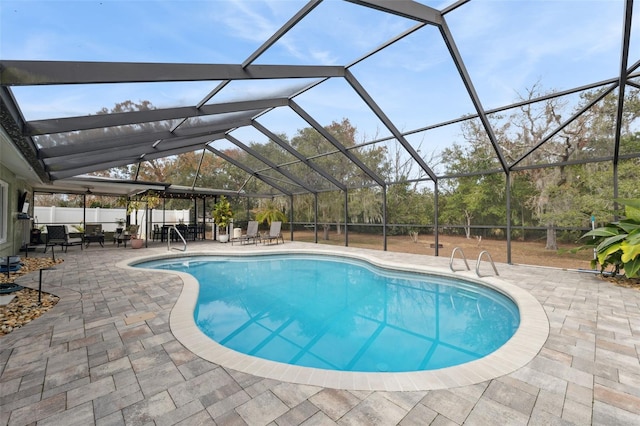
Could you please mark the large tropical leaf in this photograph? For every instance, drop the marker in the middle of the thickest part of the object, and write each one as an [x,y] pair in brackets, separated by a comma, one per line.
[631,209]
[618,243]
[632,214]
[611,240]
[629,251]
[632,268]
[606,252]
[606,231]
[629,225]
[631,202]
[634,237]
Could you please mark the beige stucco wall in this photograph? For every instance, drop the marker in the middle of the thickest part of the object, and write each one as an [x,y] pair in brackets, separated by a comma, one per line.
[14,225]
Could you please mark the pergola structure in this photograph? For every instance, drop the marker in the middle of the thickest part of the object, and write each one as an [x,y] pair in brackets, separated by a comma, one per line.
[61,148]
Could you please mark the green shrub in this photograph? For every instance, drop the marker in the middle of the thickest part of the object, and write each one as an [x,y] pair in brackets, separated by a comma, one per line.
[617,244]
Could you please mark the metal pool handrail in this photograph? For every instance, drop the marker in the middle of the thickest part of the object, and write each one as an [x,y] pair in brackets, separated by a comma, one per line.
[453,253]
[490,260]
[174,228]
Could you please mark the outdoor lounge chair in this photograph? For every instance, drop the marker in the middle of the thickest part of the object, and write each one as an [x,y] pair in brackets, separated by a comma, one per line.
[251,235]
[58,235]
[274,233]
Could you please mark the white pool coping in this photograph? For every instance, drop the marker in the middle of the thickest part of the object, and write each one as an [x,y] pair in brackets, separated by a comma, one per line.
[516,353]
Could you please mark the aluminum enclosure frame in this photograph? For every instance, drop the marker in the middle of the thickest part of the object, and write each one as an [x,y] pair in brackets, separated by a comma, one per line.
[96,154]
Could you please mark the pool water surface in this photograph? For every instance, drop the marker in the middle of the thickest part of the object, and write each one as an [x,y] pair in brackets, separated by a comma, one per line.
[343,314]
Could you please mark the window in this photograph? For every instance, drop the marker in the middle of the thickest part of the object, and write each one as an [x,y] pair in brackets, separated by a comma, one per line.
[4,211]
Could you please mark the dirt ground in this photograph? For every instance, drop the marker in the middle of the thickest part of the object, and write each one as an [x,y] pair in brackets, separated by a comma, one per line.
[529,253]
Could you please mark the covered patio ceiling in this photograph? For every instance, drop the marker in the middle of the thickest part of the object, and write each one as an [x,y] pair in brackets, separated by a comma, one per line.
[238,100]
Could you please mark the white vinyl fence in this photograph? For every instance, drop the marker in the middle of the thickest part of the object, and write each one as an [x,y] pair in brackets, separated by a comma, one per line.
[74,216]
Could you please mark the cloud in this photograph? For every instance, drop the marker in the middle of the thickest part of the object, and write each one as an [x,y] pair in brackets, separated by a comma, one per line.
[246,19]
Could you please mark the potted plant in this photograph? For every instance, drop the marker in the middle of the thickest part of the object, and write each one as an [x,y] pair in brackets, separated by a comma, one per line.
[136,242]
[222,216]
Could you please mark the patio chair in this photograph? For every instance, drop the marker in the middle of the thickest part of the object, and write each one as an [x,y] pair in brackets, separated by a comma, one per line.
[251,235]
[58,235]
[274,233]
[157,232]
[93,233]
[184,231]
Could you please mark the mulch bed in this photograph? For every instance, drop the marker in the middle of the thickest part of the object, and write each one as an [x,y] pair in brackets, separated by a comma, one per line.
[622,281]
[25,307]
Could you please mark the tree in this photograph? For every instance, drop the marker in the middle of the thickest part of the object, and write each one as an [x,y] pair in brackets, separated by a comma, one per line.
[312,144]
[564,194]
[270,211]
[472,197]
[567,194]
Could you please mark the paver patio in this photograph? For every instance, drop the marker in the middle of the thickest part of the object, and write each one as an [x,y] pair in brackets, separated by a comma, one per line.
[106,355]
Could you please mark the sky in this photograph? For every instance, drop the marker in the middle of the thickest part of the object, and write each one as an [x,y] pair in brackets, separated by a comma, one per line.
[508,47]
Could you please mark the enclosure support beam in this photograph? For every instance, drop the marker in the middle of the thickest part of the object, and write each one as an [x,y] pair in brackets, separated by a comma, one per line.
[291,216]
[40,73]
[315,220]
[269,163]
[475,99]
[508,184]
[435,217]
[296,154]
[346,218]
[384,217]
[247,169]
[628,13]
[564,124]
[325,134]
[373,106]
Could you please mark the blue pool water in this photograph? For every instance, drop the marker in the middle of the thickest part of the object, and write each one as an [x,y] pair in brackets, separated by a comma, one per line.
[342,314]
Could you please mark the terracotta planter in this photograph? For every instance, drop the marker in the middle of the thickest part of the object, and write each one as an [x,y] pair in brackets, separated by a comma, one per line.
[136,243]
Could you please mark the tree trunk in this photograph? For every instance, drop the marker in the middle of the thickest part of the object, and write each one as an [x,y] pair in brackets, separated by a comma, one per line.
[325,234]
[467,228]
[552,243]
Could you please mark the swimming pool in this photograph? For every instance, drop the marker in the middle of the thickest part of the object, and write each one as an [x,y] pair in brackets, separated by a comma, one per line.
[343,314]
[517,351]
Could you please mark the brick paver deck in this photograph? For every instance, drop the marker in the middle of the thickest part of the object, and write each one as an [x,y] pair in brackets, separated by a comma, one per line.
[106,355]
